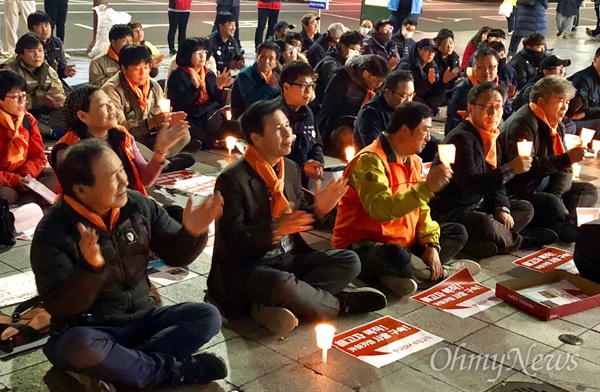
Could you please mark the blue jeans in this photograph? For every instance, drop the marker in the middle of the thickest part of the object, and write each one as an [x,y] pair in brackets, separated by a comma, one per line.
[144,353]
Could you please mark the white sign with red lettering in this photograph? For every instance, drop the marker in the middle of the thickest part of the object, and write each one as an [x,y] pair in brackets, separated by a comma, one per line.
[549,259]
[384,341]
[460,295]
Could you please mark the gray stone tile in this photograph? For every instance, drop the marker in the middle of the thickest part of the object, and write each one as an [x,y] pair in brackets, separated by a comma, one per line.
[462,369]
[504,347]
[569,372]
[499,264]
[294,378]
[398,307]
[442,324]
[17,257]
[22,361]
[215,386]
[30,379]
[223,335]
[499,311]
[597,328]
[411,380]
[587,319]
[201,265]
[247,360]
[589,350]
[348,370]
[6,269]
[191,290]
[526,325]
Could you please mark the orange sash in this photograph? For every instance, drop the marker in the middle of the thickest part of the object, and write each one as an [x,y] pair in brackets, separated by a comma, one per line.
[141,95]
[92,216]
[17,146]
[557,145]
[489,143]
[112,54]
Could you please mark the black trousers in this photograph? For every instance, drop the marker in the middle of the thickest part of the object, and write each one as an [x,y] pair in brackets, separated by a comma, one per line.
[263,16]
[177,20]
[304,281]
[57,9]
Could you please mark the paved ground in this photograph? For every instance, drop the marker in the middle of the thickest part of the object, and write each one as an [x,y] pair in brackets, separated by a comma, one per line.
[259,362]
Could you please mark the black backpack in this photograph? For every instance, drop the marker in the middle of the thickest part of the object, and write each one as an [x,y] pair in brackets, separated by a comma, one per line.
[7,224]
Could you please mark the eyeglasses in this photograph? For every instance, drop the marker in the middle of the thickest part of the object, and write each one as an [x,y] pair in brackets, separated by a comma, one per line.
[201,52]
[19,98]
[405,95]
[304,86]
[496,107]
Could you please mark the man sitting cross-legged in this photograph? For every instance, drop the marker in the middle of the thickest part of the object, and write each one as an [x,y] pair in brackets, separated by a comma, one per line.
[260,262]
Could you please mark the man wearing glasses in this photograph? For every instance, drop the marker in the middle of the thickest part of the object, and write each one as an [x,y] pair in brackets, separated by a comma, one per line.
[297,89]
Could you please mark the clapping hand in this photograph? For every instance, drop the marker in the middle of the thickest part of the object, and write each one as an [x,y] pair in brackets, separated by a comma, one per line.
[196,220]
[328,198]
[88,244]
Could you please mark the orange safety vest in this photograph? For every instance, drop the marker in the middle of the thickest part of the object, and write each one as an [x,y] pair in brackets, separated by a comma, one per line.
[71,137]
[353,223]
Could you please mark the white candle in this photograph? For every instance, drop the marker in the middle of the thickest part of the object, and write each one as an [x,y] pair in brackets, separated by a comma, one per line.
[325,334]
[587,135]
[230,143]
[596,146]
[350,153]
[576,170]
[524,147]
[228,114]
[447,153]
[164,105]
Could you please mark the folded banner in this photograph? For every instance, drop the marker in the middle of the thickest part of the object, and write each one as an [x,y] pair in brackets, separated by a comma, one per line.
[548,259]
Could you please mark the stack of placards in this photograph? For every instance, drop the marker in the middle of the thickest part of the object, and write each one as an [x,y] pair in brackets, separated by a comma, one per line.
[187,181]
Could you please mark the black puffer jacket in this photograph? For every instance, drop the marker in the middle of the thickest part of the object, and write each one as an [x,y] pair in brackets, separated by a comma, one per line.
[75,293]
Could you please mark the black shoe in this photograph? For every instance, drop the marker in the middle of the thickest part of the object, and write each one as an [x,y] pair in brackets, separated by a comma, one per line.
[193,146]
[558,34]
[179,162]
[361,300]
[566,231]
[541,236]
[173,52]
[203,368]
[480,249]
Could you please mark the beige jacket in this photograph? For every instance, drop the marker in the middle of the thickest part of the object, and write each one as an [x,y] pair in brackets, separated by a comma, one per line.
[102,68]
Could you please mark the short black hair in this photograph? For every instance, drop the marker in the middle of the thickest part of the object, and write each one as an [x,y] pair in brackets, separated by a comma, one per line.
[38,17]
[351,38]
[132,54]
[496,33]
[224,17]
[597,52]
[135,25]
[497,46]
[396,77]
[79,98]
[187,49]
[76,166]
[376,65]
[10,80]
[410,114]
[442,35]
[409,21]
[484,52]
[252,121]
[534,40]
[119,31]
[27,41]
[293,70]
[292,36]
[269,45]
[479,89]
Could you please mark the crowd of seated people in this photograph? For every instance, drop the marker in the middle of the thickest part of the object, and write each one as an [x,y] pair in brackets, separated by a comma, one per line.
[307,95]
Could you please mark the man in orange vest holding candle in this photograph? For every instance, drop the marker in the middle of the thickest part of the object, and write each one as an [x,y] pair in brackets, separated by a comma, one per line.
[384,216]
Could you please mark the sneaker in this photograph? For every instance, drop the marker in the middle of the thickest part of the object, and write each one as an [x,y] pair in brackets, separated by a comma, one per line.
[535,238]
[279,321]
[565,36]
[203,368]
[480,249]
[509,33]
[92,384]
[400,286]
[173,52]
[193,146]
[361,300]
[179,162]
[452,268]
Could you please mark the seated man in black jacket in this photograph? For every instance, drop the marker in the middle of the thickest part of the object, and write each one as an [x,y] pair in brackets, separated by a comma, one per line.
[549,185]
[225,48]
[475,196]
[331,38]
[90,256]
[587,83]
[527,60]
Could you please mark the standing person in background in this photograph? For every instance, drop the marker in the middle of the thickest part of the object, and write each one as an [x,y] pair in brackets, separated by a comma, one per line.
[57,9]
[267,10]
[13,10]
[566,14]
[402,9]
[233,7]
[179,14]
[529,19]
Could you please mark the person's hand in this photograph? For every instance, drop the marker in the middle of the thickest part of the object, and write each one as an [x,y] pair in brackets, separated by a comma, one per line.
[394,61]
[54,65]
[521,164]
[88,245]
[439,176]
[431,75]
[313,169]
[512,90]
[329,197]
[196,220]
[70,71]
[158,120]
[169,135]
[53,99]
[177,117]
[224,79]
[22,184]
[294,222]
[450,74]
[504,218]
[576,154]
[431,257]
[157,60]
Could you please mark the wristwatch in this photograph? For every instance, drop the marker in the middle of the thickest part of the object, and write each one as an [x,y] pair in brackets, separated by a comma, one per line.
[433,245]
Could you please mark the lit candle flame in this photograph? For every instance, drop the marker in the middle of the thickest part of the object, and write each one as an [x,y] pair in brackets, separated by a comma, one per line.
[164,105]
[350,153]
[325,334]
[524,147]
[230,143]
[228,114]
[447,153]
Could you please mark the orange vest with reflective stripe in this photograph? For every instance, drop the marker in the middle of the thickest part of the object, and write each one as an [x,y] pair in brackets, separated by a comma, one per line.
[71,138]
[353,223]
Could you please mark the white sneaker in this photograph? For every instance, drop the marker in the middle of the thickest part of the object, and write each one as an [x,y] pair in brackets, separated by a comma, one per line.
[400,286]
[452,268]
[92,384]
[279,321]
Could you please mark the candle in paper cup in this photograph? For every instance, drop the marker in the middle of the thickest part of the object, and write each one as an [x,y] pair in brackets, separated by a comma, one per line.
[230,143]
[572,141]
[596,146]
[325,334]
[350,153]
[447,153]
[524,147]
[228,114]
[164,105]
[576,170]
[587,135]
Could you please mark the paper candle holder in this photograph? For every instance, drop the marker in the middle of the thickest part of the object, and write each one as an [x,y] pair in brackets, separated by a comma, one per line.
[447,153]
[524,147]
[164,105]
